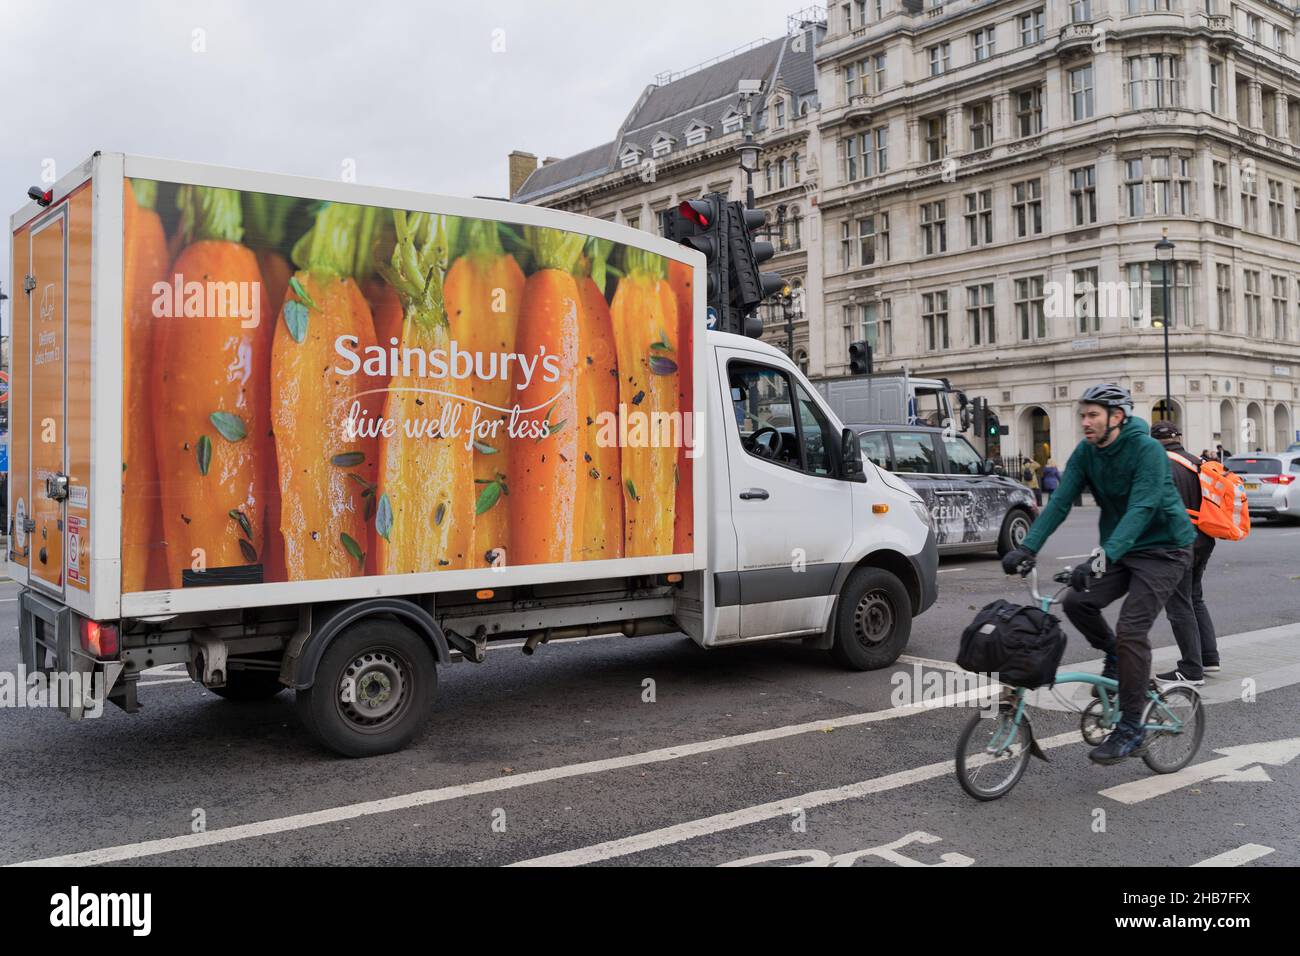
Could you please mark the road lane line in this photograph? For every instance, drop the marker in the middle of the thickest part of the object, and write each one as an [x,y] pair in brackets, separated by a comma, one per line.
[757,814]
[946,570]
[420,798]
[1243,854]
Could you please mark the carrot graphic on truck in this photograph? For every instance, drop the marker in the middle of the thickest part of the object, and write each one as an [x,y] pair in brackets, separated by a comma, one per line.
[144,262]
[484,289]
[424,519]
[327,478]
[210,376]
[600,470]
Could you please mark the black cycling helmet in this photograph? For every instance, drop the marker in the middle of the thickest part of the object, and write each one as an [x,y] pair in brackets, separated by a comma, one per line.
[1110,396]
[1164,431]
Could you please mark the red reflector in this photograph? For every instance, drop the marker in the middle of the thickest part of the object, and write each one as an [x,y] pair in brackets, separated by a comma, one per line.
[99,640]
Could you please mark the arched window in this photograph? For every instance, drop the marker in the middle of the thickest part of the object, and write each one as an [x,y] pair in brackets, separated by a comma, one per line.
[796,228]
[780,172]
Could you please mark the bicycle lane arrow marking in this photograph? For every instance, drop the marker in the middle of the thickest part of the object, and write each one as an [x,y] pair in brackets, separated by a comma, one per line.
[1229,767]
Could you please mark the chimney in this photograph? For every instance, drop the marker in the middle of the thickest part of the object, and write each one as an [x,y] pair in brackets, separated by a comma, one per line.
[522,165]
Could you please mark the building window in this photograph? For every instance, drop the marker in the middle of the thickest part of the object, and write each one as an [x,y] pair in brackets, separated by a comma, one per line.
[1029,111]
[1253,27]
[979,314]
[1222,204]
[981,42]
[1031,27]
[1281,41]
[846,246]
[852,84]
[868,239]
[871,323]
[796,229]
[934,320]
[1171,186]
[629,159]
[1249,202]
[780,113]
[979,218]
[767,176]
[661,147]
[1276,209]
[981,125]
[696,135]
[1153,82]
[1280,307]
[1134,193]
[882,150]
[1223,288]
[1295,199]
[1029,308]
[1083,194]
[1216,87]
[1081,102]
[934,227]
[849,147]
[1086,315]
[732,123]
[936,137]
[1254,310]
[1027,207]
[780,172]
[632,222]
[1080,11]
[940,58]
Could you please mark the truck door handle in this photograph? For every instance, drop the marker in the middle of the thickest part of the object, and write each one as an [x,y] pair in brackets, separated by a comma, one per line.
[750,494]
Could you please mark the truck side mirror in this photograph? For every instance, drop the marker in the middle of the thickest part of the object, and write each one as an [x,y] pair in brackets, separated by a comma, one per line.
[851,467]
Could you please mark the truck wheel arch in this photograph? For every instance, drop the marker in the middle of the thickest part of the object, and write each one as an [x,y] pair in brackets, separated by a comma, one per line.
[333,620]
[895,563]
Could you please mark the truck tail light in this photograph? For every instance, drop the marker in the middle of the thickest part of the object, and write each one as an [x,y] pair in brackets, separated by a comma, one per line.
[1278,479]
[99,640]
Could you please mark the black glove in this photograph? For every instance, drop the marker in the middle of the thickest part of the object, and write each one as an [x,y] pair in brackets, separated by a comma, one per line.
[1082,575]
[1019,561]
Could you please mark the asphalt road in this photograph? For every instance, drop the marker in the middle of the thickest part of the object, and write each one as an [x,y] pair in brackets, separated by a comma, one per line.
[741,754]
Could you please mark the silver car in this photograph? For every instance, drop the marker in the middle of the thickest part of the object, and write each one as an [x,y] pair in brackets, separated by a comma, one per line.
[1272,483]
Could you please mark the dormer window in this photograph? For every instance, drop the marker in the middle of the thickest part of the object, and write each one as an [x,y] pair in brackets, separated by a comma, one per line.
[696,133]
[731,122]
[630,157]
[662,145]
[778,114]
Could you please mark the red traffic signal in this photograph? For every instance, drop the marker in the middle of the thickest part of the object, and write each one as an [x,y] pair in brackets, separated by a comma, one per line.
[698,211]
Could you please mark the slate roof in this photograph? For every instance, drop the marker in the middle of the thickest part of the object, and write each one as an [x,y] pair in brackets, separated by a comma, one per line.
[706,95]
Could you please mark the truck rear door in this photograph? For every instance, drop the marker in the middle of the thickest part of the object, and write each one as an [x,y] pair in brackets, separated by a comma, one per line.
[46,315]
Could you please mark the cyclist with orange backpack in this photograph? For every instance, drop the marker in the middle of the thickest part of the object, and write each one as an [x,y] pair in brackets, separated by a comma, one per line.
[1216,504]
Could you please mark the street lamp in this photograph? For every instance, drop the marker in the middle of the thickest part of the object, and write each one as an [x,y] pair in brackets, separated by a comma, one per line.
[748,149]
[1165,256]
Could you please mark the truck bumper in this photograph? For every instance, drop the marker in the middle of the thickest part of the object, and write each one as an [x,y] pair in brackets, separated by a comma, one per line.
[75,683]
[926,564]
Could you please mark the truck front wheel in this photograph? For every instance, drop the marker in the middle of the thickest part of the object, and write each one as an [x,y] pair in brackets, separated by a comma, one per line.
[373,690]
[873,620]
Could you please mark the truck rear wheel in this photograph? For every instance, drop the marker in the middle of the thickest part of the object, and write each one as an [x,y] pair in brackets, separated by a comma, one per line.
[242,686]
[873,620]
[373,690]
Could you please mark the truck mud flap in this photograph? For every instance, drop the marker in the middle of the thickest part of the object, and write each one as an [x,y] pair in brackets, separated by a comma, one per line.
[51,656]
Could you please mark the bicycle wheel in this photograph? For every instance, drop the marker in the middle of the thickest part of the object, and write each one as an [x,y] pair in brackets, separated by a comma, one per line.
[992,753]
[1172,750]
[1091,726]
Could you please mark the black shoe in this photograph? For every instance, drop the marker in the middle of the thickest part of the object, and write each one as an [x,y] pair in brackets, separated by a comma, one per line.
[1122,743]
[1178,677]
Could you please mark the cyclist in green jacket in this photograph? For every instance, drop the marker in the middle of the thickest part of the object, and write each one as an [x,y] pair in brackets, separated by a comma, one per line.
[1146,545]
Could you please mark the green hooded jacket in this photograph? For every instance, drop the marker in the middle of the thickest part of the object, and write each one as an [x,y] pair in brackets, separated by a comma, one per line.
[1140,507]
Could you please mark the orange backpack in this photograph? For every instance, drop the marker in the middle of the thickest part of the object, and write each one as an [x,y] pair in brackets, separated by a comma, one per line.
[1223,513]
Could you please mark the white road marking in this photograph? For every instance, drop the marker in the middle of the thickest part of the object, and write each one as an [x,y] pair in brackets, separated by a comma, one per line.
[1243,854]
[1274,752]
[7,600]
[931,662]
[420,798]
[757,814]
[171,680]
[946,570]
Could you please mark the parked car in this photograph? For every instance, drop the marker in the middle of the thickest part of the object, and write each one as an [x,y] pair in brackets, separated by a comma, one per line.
[1272,483]
[972,507]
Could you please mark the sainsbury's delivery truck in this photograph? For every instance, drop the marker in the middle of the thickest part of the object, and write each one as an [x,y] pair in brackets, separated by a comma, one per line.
[325,437]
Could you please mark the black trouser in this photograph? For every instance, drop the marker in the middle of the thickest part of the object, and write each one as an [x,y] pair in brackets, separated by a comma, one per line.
[1190,618]
[1148,578]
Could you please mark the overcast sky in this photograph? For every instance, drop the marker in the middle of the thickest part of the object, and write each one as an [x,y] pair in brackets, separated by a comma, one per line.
[412,91]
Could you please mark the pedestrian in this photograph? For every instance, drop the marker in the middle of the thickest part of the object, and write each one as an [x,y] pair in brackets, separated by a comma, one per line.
[1029,475]
[1223,453]
[1198,646]
[1205,455]
[1051,478]
[1146,547]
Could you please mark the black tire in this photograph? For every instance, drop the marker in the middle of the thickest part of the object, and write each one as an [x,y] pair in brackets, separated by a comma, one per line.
[391,671]
[244,686]
[873,620]
[1014,528]
[978,728]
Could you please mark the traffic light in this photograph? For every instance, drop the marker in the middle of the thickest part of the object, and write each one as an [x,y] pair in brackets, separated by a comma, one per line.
[701,224]
[979,415]
[747,285]
[859,358]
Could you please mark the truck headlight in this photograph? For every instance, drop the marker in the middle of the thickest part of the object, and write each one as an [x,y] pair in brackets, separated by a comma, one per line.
[923,513]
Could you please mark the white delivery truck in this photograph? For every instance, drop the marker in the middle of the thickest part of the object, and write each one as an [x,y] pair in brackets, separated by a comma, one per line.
[326,437]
